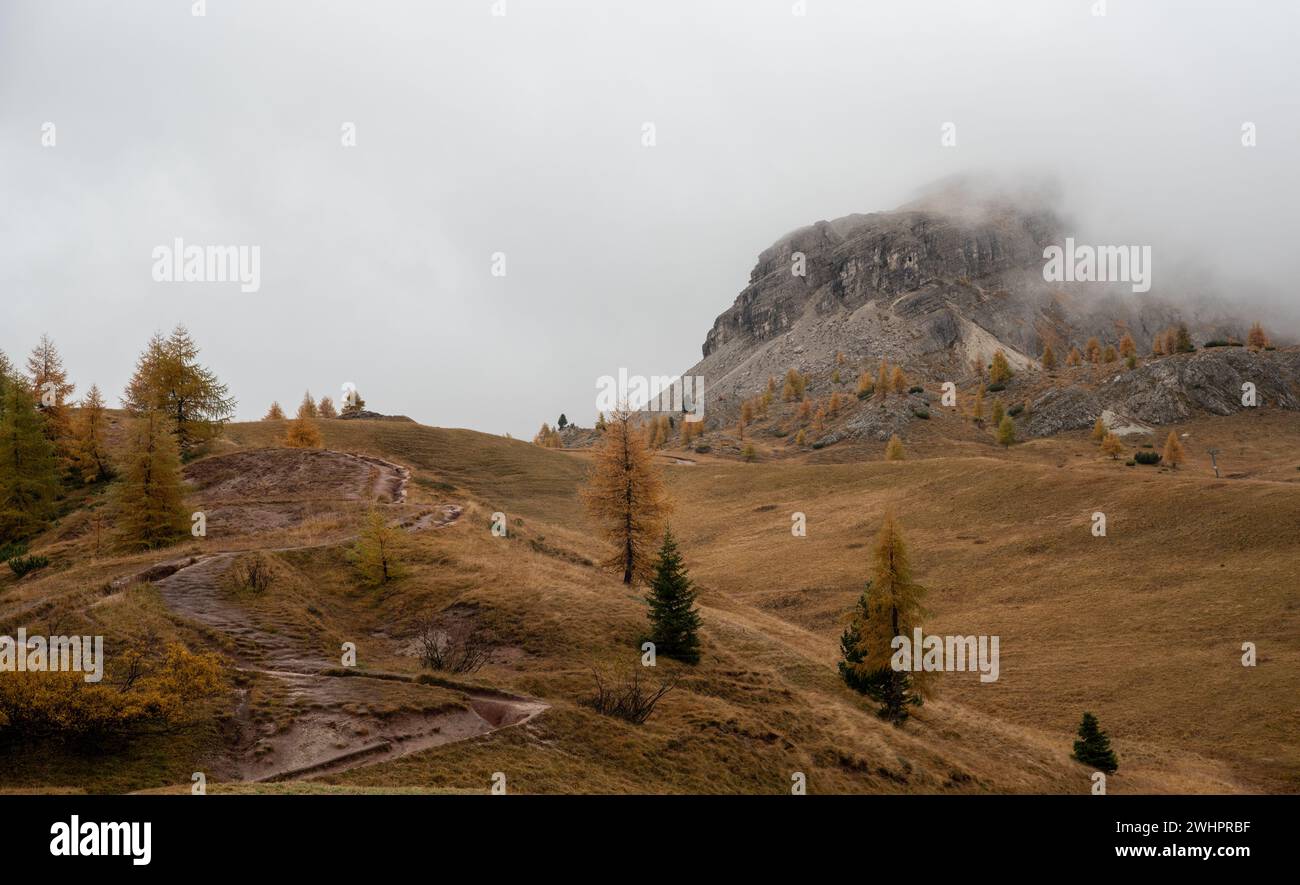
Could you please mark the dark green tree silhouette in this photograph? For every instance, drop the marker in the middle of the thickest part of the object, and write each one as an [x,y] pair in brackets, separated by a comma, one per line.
[1093,746]
[674,620]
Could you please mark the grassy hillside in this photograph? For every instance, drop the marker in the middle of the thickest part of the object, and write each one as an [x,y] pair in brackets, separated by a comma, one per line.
[1142,627]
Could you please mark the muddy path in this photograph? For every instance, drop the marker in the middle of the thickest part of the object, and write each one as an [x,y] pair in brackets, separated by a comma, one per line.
[298,715]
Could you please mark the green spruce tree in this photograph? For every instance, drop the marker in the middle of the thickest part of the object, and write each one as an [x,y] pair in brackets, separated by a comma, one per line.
[1093,746]
[674,620]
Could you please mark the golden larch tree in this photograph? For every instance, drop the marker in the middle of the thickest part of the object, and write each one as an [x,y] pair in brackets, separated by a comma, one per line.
[865,385]
[302,433]
[1092,350]
[1000,370]
[168,377]
[1111,445]
[275,413]
[29,472]
[892,608]
[882,380]
[1173,454]
[377,551]
[794,386]
[1006,431]
[1049,358]
[894,449]
[52,390]
[1098,429]
[690,430]
[150,499]
[90,439]
[625,496]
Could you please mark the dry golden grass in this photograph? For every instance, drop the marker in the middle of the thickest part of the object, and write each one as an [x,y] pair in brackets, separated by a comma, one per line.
[1142,627]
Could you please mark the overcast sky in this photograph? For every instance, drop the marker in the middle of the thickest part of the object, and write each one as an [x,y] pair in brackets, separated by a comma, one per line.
[522,134]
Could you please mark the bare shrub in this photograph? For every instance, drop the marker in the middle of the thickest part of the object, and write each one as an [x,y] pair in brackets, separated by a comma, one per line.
[628,696]
[462,648]
[252,572]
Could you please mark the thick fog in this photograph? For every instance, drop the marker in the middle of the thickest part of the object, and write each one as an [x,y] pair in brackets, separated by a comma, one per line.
[525,134]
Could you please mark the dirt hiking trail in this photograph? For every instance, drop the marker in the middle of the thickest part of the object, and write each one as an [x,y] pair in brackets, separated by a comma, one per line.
[328,722]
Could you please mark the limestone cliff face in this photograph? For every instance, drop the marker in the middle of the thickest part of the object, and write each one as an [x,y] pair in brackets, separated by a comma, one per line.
[856,259]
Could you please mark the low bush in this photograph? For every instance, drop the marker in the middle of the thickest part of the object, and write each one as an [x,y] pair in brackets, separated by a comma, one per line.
[628,697]
[916,390]
[147,688]
[994,388]
[923,414]
[461,649]
[1016,409]
[253,573]
[1146,457]
[23,565]
[12,550]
